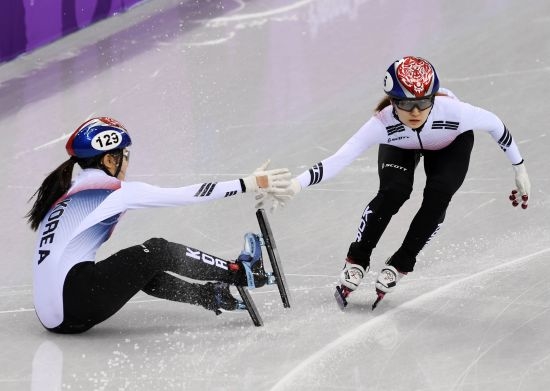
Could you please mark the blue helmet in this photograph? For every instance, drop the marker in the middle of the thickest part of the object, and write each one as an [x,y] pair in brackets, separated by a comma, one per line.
[411,78]
[96,137]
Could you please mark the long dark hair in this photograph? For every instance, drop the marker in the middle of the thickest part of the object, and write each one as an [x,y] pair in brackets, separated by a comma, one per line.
[56,184]
[384,102]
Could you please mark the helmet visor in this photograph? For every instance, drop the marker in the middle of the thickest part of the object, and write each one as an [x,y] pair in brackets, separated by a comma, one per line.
[410,104]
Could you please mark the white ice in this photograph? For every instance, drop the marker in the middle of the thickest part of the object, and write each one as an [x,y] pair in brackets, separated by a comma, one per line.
[209,90]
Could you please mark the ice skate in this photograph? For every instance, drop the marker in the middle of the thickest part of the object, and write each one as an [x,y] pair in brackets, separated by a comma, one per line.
[223,300]
[351,276]
[273,255]
[387,281]
[250,268]
[250,259]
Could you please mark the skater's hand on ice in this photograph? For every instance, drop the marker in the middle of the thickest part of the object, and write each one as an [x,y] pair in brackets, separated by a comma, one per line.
[523,187]
[271,181]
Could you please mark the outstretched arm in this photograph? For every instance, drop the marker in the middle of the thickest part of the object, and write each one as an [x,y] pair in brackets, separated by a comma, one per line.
[489,122]
[133,195]
[371,133]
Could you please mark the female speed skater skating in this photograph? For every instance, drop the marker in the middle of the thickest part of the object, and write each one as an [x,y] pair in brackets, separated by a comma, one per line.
[415,120]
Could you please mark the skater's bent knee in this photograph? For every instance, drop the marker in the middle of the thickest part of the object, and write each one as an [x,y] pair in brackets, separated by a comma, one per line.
[396,193]
[155,244]
[439,197]
[389,200]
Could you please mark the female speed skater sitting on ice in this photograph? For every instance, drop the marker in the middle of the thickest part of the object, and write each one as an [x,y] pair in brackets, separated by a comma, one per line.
[73,292]
[416,119]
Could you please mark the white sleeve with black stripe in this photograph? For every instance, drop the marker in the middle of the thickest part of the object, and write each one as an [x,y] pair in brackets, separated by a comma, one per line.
[142,195]
[371,133]
[477,118]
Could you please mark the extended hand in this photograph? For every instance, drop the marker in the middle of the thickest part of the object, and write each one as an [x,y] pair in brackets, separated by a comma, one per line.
[277,198]
[523,187]
[271,181]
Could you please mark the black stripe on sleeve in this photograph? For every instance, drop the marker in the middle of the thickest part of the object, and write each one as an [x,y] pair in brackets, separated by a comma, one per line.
[205,190]
[316,174]
[506,140]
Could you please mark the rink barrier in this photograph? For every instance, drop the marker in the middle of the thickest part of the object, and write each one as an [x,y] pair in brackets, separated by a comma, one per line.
[28,24]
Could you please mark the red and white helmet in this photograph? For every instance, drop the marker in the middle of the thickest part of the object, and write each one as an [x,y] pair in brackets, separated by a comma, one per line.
[411,78]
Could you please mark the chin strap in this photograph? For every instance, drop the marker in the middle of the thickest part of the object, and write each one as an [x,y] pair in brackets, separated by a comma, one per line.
[118,166]
[394,113]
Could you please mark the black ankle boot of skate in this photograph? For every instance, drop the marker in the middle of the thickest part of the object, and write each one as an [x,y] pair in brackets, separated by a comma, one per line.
[256,277]
[220,298]
[250,264]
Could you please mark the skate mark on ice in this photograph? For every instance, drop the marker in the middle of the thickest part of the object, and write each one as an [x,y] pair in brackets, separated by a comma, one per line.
[16,311]
[308,365]
[536,364]
[480,206]
[223,20]
[395,349]
[463,375]
[133,301]
[8,291]
[213,42]
[510,304]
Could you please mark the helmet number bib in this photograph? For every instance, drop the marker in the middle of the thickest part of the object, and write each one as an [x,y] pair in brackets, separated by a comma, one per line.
[106,140]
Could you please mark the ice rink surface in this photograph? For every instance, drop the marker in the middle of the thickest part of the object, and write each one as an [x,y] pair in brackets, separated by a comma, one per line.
[211,89]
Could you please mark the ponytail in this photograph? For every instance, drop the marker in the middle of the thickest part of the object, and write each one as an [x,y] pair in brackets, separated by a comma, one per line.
[54,186]
[384,102]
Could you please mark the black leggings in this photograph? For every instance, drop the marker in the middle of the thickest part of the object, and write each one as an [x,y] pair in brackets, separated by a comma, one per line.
[95,291]
[445,172]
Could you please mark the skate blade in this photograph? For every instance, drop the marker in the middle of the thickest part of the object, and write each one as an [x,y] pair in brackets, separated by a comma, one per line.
[230,313]
[340,297]
[240,308]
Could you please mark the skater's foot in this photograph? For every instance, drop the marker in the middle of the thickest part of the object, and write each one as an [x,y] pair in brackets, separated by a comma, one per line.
[250,265]
[222,299]
[387,281]
[388,278]
[351,276]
